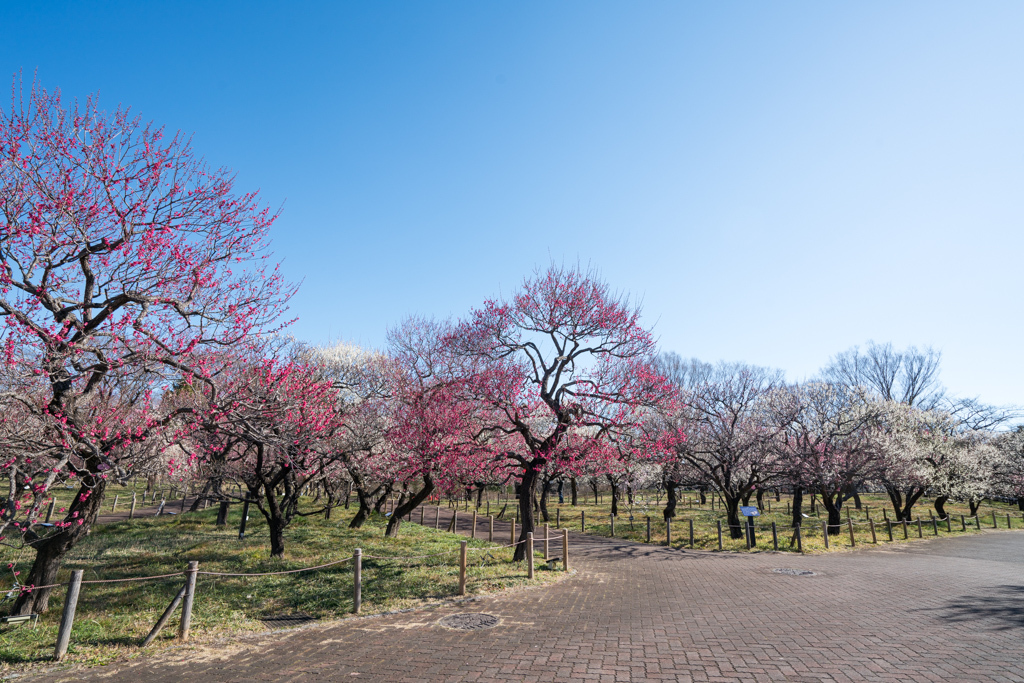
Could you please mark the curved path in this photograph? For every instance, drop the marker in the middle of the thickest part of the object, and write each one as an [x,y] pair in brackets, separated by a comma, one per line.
[948,609]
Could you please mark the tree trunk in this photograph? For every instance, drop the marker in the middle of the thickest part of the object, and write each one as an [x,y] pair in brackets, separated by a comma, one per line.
[1020,503]
[940,506]
[544,499]
[50,551]
[670,503]
[732,511]
[798,505]
[574,490]
[703,495]
[615,495]
[760,499]
[834,506]
[276,527]
[593,485]
[856,499]
[408,506]
[527,489]
[974,505]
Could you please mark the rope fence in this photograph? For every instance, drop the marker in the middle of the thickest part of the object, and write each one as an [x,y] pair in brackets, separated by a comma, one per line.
[186,595]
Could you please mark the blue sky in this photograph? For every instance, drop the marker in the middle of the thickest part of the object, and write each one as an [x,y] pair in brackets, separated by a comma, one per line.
[776,181]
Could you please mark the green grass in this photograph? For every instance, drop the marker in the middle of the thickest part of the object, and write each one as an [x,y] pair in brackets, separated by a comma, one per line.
[705,520]
[113,618]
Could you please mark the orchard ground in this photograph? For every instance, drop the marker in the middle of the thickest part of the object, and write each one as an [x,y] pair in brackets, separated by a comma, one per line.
[938,609]
[113,618]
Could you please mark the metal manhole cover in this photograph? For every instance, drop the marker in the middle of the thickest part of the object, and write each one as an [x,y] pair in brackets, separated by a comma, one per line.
[469,622]
[286,620]
[793,572]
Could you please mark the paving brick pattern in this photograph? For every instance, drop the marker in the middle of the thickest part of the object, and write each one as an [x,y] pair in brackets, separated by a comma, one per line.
[942,610]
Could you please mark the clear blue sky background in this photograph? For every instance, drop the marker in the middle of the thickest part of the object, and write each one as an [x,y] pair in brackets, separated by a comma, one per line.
[777,181]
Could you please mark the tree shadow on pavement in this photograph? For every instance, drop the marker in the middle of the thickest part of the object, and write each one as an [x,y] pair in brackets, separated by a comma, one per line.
[1003,605]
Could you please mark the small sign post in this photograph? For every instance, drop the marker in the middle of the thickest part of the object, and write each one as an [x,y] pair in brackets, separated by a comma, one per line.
[749,511]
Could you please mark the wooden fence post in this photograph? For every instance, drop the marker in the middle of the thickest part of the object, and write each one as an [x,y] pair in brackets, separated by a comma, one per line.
[905,536]
[977,521]
[824,531]
[1009,525]
[164,617]
[691,533]
[131,511]
[849,524]
[423,513]
[612,532]
[113,508]
[357,580]
[529,555]
[490,528]
[547,540]
[648,529]
[719,533]
[67,618]
[186,603]
[473,533]
[558,518]
[963,523]
[437,517]
[583,521]
[462,568]
[512,536]
[565,550]
[668,531]
[920,534]
[775,538]
[799,540]
[874,539]
[935,526]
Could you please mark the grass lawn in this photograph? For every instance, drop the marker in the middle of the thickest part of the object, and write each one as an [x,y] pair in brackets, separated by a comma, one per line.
[113,618]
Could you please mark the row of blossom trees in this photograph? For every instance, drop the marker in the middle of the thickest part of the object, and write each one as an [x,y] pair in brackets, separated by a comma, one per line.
[140,323]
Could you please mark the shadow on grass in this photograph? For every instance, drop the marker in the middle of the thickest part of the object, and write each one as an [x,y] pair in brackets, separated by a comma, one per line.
[1002,605]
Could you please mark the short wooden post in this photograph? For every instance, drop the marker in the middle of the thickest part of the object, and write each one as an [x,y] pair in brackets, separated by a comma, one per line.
[648,529]
[935,526]
[1009,524]
[799,540]
[824,533]
[583,521]
[186,603]
[691,533]
[949,523]
[565,550]
[995,524]
[905,536]
[490,528]
[849,525]
[874,539]
[437,517]
[612,532]
[357,580]
[775,538]
[131,510]
[963,523]
[160,509]
[719,533]
[423,513]
[547,541]
[977,521]
[529,555]
[668,531]
[488,506]
[558,518]
[182,508]
[162,621]
[920,534]
[455,520]
[462,568]
[113,508]
[512,536]
[746,530]
[67,618]
[473,533]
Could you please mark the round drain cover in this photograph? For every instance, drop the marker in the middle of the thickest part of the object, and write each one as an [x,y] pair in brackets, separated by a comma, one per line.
[794,572]
[469,622]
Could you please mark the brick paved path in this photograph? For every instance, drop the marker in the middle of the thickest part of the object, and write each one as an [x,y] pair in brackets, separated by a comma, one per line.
[949,609]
